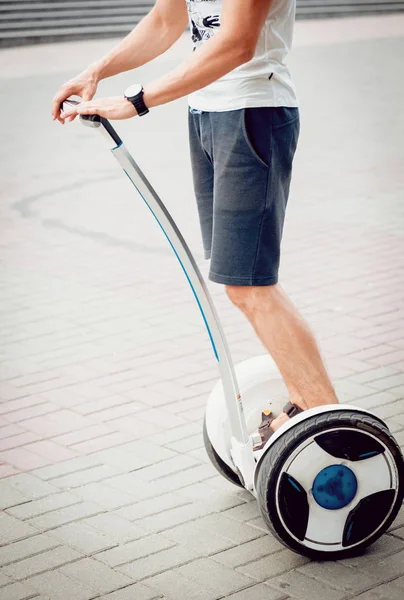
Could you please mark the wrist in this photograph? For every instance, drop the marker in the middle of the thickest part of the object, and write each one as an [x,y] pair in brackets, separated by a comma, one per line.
[94,73]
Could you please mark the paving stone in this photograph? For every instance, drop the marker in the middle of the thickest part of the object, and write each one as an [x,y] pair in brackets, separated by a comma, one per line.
[80,478]
[12,529]
[273,565]
[29,485]
[159,562]
[204,540]
[340,577]
[56,586]
[116,527]
[220,578]
[25,548]
[92,573]
[384,568]
[18,591]
[10,496]
[104,495]
[67,467]
[35,508]
[218,500]
[242,554]
[131,551]
[130,484]
[258,592]
[133,592]
[229,528]
[82,537]
[61,516]
[151,506]
[166,467]
[174,516]
[4,579]
[385,546]
[399,532]
[387,591]
[299,586]
[177,433]
[176,587]
[244,512]
[45,561]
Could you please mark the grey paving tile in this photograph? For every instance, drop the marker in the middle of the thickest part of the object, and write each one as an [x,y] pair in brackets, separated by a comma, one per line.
[93,574]
[174,516]
[116,527]
[132,551]
[39,563]
[66,467]
[270,566]
[337,576]
[18,591]
[56,586]
[12,529]
[220,578]
[29,485]
[83,538]
[160,562]
[10,496]
[258,592]
[84,477]
[25,548]
[133,592]
[248,552]
[61,516]
[176,587]
[35,508]
[299,586]
[104,495]
[386,591]
[152,506]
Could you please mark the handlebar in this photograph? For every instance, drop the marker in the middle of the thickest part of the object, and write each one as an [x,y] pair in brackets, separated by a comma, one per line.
[93,121]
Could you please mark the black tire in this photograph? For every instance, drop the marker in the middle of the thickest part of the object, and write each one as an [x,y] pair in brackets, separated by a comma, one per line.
[217,462]
[271,465]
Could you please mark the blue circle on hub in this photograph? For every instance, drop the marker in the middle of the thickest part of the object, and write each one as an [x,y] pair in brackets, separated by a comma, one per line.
[334,487]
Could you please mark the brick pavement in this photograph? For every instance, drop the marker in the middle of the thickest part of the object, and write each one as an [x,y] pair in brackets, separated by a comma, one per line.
[105,488]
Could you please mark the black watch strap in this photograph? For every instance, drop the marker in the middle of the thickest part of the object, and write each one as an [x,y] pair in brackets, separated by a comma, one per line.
[138,103]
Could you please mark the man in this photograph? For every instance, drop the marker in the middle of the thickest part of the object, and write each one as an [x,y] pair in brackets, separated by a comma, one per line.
[243,127]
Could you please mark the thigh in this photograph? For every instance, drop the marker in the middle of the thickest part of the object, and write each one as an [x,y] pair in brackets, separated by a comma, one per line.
[251,187]
[202,173]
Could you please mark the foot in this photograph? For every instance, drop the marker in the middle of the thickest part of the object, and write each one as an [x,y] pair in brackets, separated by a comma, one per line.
[279,421]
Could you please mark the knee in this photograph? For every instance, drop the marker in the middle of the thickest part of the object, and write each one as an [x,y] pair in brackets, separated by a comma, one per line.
[248,299]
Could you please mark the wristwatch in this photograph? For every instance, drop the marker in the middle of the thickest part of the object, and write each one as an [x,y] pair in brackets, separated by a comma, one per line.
[134,93]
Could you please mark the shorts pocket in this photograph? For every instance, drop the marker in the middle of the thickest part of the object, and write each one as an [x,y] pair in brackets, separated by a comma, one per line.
[256,125]
[284,116]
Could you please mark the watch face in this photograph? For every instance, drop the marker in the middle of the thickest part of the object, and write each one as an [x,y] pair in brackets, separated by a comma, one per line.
[133,90]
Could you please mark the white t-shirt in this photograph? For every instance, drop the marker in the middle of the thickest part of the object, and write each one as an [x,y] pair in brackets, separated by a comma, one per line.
[264,80]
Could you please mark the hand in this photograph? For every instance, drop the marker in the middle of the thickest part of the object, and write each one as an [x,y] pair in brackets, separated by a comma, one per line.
[84,85]
[109,108]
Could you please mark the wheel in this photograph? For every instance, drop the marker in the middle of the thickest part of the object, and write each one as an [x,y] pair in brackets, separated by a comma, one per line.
[331,485]
[217,462]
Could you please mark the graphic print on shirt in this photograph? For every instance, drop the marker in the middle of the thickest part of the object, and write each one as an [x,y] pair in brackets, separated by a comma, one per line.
[203,25]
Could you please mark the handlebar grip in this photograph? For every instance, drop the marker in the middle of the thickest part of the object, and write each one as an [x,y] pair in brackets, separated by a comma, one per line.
[69,103]
[93,121]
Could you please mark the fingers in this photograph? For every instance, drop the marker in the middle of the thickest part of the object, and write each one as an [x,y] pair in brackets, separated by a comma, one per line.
[84,108]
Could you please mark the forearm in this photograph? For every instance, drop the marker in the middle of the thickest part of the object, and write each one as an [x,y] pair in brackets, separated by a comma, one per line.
[216,58]
[150,38]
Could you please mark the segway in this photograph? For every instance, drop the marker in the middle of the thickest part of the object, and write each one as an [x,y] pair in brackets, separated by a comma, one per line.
[329,482]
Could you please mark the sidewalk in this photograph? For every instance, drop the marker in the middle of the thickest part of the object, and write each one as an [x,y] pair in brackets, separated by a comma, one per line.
[105,365]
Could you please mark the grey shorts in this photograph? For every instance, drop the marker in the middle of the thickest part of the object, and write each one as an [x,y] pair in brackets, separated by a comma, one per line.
[242,164]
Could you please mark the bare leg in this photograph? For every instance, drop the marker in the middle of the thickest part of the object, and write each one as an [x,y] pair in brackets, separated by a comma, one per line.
[289,341]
